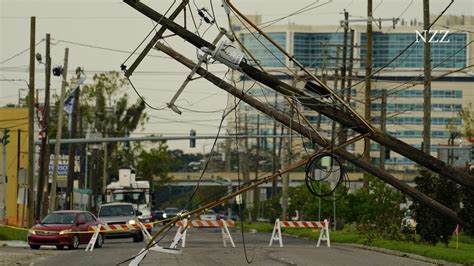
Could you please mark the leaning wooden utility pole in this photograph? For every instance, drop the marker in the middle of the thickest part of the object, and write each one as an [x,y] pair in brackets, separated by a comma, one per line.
[368,82]
[313,136]
[31,127]
[44,148]
[427,81]
[57,145]
[333,112]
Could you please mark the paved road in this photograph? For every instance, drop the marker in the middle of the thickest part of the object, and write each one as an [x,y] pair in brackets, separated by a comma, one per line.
[204,247]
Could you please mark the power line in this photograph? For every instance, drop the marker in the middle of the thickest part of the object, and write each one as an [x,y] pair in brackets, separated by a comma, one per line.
[105,48]
[19,53]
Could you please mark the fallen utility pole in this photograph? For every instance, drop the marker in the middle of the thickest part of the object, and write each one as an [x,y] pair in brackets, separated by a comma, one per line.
[332,112]
[313,136]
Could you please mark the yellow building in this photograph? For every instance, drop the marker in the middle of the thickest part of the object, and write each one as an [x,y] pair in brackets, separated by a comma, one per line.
[15,119]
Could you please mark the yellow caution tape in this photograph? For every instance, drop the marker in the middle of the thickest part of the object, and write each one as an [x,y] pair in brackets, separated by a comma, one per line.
[75,232]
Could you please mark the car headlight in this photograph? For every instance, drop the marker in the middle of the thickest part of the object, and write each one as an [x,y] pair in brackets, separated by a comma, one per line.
[67,231]
[164,215]
[132,222]
[31,232]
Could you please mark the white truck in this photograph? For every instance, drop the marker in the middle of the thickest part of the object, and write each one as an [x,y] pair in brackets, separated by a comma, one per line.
[128,189]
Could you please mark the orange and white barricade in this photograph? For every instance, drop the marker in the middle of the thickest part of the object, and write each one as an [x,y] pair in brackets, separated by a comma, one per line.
[126,227]
[117,227]
[323,235]
[185,223]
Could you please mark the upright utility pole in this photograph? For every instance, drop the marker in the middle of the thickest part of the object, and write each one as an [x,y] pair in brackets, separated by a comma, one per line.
[286,177]
[31,122]
[57,146]
[427,81]
[344,53]
[351,65]
[336,68]
[368,85]
[245,164]
[3,209]
[44,149]
[72,147]
[104,169]
[274,159]
[383,126]
[256,192]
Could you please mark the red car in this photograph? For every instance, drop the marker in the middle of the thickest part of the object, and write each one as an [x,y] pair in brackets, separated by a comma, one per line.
[58,229]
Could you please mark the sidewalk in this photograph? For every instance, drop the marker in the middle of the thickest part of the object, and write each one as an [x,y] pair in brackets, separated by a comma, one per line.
[14,243]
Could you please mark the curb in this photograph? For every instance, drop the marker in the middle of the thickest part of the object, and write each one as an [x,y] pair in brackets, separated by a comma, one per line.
[390,252]
[16,244]
[401,254]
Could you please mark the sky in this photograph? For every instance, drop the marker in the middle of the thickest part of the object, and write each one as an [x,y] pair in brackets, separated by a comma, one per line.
[101,34]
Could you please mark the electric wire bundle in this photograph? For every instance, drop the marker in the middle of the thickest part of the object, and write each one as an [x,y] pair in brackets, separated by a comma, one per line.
[316,184]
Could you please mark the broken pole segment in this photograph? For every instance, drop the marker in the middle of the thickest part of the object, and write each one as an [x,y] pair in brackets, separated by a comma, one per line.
[158,36]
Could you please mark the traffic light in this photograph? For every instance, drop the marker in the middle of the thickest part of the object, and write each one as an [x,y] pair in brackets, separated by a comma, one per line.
[57,71]
[387,153]
[6,136]
[192,140]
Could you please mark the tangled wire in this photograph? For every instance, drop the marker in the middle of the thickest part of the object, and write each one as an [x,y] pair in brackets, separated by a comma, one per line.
[318,178]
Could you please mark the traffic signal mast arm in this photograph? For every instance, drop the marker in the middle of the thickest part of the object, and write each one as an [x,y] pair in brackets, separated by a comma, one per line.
[331,111]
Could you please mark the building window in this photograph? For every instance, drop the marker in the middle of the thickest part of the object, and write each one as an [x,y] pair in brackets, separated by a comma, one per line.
[386,46]
[267,54]
[316,49]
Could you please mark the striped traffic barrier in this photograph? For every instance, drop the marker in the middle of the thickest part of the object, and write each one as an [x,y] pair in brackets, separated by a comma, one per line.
[184,224]
[117,227]
[323,235]
[124,227]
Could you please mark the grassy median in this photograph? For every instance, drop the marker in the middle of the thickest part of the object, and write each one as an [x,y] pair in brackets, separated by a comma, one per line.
[464,254]
[12,234]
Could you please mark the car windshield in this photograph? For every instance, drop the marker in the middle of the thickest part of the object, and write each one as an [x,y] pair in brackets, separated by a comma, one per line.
[117,210]
[171,210]
[59,218]
[130,197]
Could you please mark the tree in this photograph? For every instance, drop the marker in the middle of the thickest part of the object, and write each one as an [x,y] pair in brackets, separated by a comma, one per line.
[153,165]
[179,160]
[105,108]
[432,226]
[467,212]
[377,209]
[308,204]
[467,115]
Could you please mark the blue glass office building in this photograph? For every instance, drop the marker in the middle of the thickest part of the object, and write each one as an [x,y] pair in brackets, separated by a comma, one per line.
[401,56]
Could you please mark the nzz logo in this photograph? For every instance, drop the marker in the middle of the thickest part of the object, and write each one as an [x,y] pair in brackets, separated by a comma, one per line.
[423,35]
